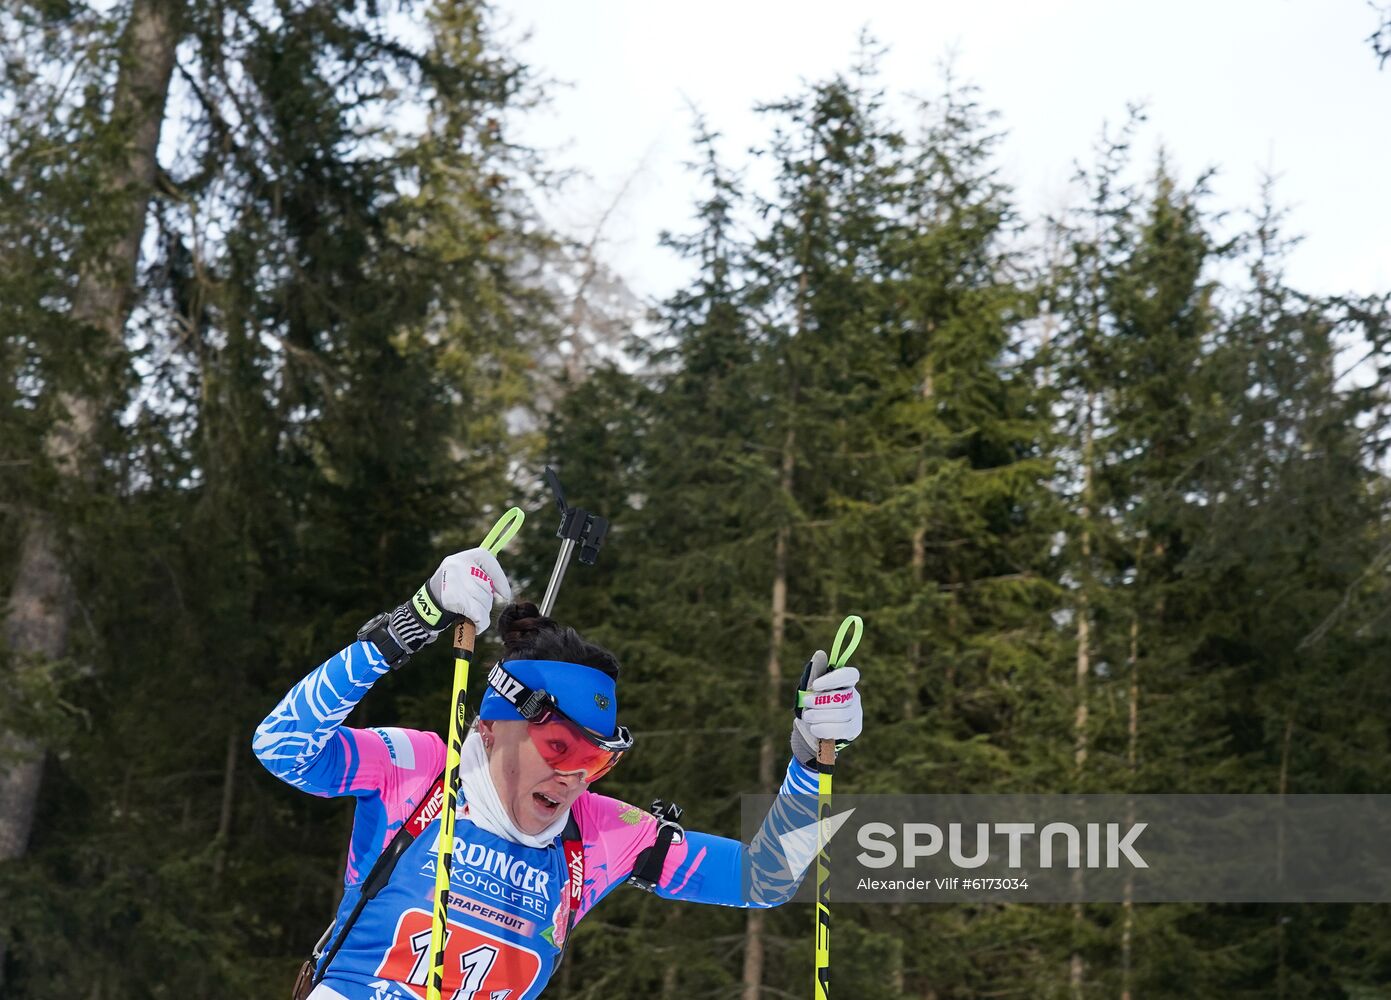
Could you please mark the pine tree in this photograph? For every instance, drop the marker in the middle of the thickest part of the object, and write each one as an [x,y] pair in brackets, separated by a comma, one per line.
[780,470]
[965,582]
[1189,399]
[326,339]
[1136,321]
[1290,543]
[121,140]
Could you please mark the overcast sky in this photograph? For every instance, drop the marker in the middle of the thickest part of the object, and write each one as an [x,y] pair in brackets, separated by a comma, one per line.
[1289,86]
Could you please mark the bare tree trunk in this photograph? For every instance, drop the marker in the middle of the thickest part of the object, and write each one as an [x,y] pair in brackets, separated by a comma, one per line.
[1132,759]
[38,618]
[1084,652]
[753,955]
[1282,972]
[754,923]
[778,620]
[1076,967]
[669,982]
[229,785]
[918,562]
[1132,750]
[30,632]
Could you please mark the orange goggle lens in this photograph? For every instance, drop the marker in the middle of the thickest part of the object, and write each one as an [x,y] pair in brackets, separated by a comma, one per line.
[564,746]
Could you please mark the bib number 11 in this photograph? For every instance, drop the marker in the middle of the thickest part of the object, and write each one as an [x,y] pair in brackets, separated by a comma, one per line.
[474,964]
[488,968]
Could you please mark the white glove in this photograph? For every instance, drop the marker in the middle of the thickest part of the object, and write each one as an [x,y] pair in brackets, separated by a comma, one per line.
[828,708]
[465,584]
[462,587]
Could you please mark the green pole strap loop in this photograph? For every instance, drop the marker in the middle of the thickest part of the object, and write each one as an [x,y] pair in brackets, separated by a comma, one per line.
[840,657]
[503,531]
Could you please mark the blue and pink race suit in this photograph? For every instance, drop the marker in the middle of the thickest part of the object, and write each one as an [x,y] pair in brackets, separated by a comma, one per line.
[510,904]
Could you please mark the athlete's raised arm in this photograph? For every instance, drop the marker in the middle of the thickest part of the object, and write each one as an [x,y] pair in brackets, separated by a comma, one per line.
[303,742]
[704,868]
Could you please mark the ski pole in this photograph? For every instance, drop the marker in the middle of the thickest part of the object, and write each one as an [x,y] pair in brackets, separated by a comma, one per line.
[464,633]
[578,527]
[854,626]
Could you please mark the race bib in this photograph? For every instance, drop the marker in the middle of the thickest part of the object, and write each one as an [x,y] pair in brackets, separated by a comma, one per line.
[477,965]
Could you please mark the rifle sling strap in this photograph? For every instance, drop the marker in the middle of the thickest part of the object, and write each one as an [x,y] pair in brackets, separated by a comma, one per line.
[424,815]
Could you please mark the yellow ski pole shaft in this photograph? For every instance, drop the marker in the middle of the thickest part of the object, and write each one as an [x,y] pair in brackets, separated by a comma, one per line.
[853,626]
[826,760]
[464,634]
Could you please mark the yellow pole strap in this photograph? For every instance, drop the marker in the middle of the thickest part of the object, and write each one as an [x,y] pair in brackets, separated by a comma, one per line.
[854,627]
[464,633]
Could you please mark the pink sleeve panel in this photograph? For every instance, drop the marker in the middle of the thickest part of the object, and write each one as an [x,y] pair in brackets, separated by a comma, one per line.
[390,773]
[615,833]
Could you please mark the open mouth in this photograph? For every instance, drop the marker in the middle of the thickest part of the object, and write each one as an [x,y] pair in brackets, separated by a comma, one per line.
[545,802]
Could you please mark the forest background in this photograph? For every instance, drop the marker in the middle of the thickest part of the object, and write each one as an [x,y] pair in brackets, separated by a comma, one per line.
[281,325]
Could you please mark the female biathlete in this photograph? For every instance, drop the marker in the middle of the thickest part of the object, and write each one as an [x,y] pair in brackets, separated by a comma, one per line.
[546,730]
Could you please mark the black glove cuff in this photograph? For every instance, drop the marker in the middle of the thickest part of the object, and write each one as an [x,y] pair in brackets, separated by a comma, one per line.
[405,625]
[802,686]
[377,631]
[425,614]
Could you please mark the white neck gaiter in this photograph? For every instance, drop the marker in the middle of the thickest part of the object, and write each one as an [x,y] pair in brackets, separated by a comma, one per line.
[485,809]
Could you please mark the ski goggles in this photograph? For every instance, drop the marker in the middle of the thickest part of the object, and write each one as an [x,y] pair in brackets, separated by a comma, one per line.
[567,746]
[533,690]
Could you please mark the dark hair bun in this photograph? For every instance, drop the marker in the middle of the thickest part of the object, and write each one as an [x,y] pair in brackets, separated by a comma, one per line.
[519,625]
[529,635]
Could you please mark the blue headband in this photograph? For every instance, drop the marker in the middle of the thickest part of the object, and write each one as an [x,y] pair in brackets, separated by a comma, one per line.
[583,693]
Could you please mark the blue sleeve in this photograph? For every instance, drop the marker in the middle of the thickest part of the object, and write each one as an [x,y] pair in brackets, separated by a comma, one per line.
[300,741]
[725,872]
[388,771]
